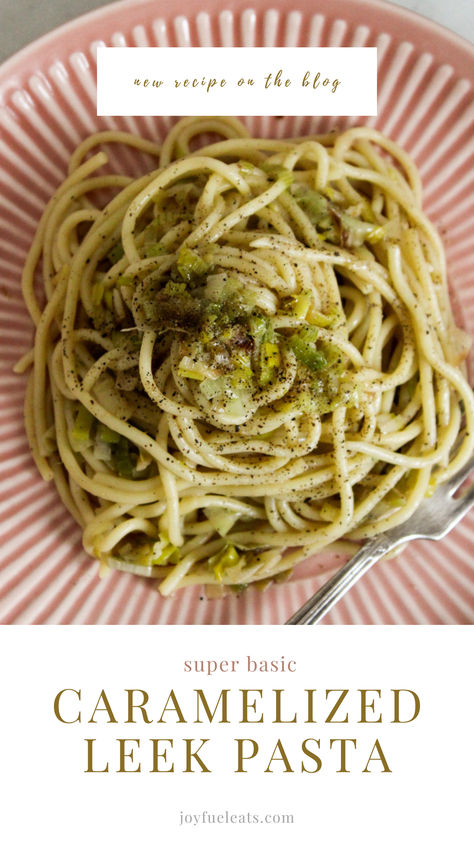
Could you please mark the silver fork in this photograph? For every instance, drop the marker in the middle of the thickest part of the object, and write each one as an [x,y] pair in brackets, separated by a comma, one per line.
[434,518]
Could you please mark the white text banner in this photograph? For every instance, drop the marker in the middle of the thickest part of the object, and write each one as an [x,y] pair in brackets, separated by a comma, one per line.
[224,81]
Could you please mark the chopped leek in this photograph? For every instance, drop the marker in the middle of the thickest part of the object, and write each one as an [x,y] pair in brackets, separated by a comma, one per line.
[314,204]
[235,406]
[162,552]
[246,167]
[116,253]
[326,391]
[126,280]
[174,288]
[302,344]
[212,389]
[81,432]
[222,519]
[432,485]
[190,264]
[349,230]
[395,498]
[139,551]
[109,299]
[301,308]
[107,435]
[227,557]
[193,369]
[269,360]
[215,286]
[258,326]
[240,380]
[102,451]
[303,401]
[122,458]
[171,306]
[241,361]
[355,231]
[230,392]
[301,304]
[97,293]
[154,250]
[376,235]
[330,193]
[320,319]
[152,230]
[169,556]
[276,172]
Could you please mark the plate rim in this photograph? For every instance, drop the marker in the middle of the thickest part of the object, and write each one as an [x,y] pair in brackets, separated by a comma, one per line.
[13,63]
[80,25]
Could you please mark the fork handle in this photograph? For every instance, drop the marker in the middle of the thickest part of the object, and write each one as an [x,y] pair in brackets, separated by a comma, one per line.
[323,600]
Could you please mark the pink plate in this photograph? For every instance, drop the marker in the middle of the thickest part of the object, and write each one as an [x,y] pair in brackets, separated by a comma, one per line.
[47,105]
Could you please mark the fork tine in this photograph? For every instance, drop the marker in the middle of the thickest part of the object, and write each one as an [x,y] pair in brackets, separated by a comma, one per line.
[463,504]
[457,479]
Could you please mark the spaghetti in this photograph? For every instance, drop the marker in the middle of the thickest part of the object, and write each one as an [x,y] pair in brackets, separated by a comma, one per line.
[246,355]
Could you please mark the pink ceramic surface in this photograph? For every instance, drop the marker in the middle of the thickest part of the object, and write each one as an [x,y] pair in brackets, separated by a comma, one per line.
[47,105]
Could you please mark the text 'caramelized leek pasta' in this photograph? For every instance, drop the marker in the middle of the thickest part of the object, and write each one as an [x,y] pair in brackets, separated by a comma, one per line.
[246,356]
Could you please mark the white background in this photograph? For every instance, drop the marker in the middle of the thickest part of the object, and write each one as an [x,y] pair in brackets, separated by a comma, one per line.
[46,794]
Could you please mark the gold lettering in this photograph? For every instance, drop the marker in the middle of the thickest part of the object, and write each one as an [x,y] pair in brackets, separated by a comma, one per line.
[222,700]
[90,761]
[157,755]
[278,719]
[190,754]
[123,755]
[56,706]
[311,754]
[253,705]
[175,706]
[396,706]
[240,753]
[141,707]
[337,706]
[280,756]
[365,705]
[380,756]
[343,742]
[103,698]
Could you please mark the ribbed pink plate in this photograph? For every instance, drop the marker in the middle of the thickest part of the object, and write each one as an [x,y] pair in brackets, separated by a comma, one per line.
[47,105]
